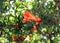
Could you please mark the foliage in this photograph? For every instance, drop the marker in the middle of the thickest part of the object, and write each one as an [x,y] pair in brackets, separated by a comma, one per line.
[11,15]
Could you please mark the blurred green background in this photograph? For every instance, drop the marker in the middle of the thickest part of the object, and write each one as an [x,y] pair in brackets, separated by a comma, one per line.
[11,11]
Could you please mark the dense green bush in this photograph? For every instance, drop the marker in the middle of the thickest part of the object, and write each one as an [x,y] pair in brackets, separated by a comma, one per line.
[11,12]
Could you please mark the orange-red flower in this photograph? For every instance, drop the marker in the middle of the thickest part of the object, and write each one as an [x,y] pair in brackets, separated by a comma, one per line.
[29,16]
[38,20]
[26,17]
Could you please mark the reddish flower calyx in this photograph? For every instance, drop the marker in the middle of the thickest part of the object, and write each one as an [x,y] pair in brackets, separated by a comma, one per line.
[34,28]
[21,38]
[14,37]
[16,25]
